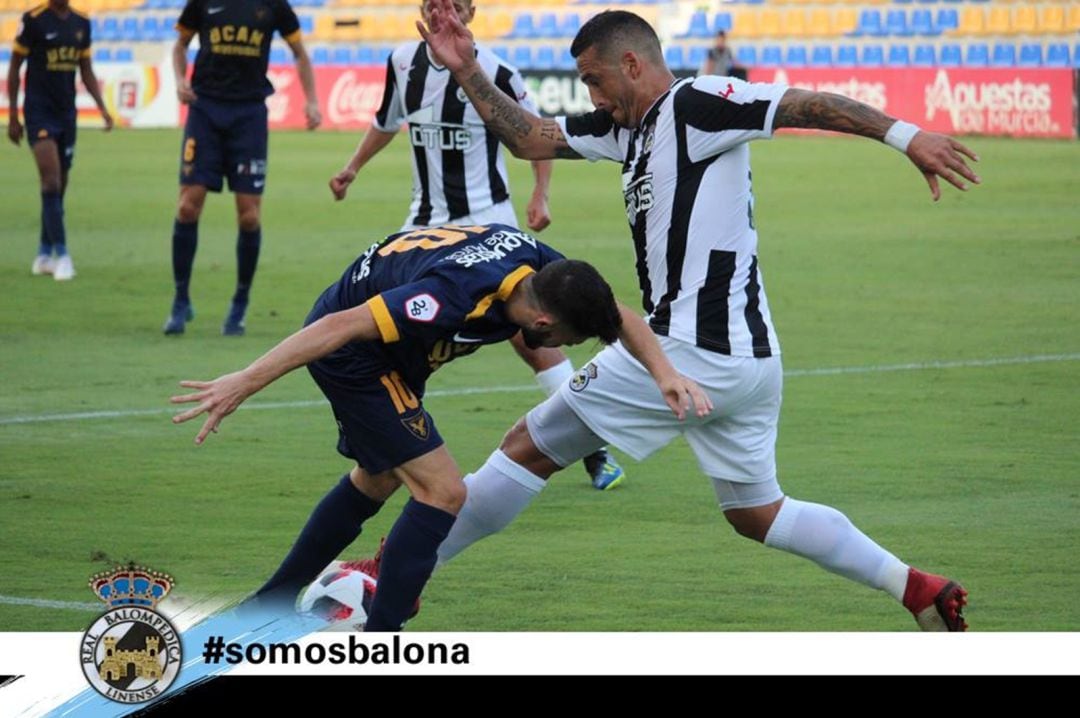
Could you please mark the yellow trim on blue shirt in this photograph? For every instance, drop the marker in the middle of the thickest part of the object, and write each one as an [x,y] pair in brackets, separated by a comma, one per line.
[506,288]
[385,323]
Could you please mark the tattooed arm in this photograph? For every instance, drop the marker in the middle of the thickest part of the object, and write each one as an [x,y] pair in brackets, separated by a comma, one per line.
[933,154]
[527,136]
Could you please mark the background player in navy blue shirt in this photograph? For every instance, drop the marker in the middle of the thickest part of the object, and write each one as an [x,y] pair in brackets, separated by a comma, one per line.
[226,130]
[55,40]
[401,310]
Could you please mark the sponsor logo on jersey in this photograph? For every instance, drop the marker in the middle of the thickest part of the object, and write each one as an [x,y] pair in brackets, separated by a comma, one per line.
[422,308]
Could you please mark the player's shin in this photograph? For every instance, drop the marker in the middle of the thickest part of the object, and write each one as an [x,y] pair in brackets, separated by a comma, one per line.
[827,537]
[334,524]
[408,558]
[498,491]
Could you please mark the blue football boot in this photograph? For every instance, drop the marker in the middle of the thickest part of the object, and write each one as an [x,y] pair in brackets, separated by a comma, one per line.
[181,314]
[603,470]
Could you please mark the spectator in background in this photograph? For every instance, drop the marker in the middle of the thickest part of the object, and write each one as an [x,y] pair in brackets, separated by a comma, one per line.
[721,60]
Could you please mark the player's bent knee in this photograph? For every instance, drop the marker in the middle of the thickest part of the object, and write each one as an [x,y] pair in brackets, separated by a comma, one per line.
[248,220]
[753,523]
[519,447]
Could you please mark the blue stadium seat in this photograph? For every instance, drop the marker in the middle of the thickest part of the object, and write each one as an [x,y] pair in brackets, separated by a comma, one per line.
[928,1]
[1004,55]
[341,56]
[566,60]
[721,21]
[102,54]
[365,55]
[502,52]
[522,57]
[382,54]
[192,53]
[896,24]
[547,26]
[925,56]
[544,59]
[947,19]
[772,56]
[123,54]
[150,29]
[5,54]
[1057,55]
[746,55]
[846,56]
[1076,56]
[570,25]
[899,56]
[795,56]
[697,57]
[977,55]
[698,27]
[950,55]
[872,56]
[821,56]
[673,56]
[130,30]
[278,56]
[870,24]
[922,23]
[1030,55]
[902,2]
[307,23]
[320,55]
[110,29]
[523,28]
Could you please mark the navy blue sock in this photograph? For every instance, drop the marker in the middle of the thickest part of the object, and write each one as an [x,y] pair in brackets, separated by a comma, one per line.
[52,217]
[185,238]
[334,524]
[408,559]
[44,243]
[247,258]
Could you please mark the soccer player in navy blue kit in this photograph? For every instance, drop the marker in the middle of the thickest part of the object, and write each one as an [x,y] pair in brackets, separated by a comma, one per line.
[226,131]
[55,40]
[404,308]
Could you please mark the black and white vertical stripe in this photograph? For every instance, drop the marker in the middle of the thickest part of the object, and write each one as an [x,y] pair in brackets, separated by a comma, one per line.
[686,182]
[458,166]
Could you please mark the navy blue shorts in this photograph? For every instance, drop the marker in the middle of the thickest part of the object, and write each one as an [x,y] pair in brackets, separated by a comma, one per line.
[381,423]
[225,139]
[61,130]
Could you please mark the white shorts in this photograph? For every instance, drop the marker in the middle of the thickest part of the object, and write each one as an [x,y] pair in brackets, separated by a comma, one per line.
[501,213]
[617,398]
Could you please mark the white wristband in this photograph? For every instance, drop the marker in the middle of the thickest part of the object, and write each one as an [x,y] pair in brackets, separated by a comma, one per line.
[900,135]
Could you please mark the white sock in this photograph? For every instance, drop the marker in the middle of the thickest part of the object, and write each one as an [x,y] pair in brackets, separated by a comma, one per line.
[553,377]
[497,493]
[825,536]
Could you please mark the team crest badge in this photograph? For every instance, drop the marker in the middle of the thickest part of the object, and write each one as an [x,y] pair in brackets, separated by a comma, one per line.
[131,654]
[418,425]
[582,376]
[461,96]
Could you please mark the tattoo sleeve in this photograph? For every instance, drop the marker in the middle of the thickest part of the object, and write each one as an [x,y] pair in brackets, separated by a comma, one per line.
[826,111]
[516,128]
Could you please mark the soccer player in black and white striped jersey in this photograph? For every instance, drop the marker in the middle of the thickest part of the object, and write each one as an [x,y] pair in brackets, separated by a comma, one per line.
[459,173]
[686,183]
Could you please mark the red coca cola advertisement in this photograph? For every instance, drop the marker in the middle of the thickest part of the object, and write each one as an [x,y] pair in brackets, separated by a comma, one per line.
[349,97]
[961,101]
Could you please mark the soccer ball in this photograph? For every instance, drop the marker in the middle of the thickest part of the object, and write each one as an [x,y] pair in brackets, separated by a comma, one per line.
[341,597]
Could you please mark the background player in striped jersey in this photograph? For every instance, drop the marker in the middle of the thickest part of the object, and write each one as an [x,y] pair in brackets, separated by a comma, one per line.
[404,308]
[226,131]
[459,173]
[687,188]
[55,40]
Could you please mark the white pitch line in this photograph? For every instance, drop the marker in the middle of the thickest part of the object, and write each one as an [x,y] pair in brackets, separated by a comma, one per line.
[49,603]
[515,389]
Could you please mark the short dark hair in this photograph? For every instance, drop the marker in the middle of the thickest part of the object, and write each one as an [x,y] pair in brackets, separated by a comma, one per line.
[575,293]
[617,30]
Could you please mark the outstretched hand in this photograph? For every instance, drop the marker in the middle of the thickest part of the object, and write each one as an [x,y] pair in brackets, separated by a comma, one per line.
[448,38]
[681,393]
[941,156]
[217,398]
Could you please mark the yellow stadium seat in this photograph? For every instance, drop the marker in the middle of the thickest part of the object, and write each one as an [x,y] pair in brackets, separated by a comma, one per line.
[998,21]
[502,22]
[745,24]
[844,20]
[819,24]
[1051,19]
[972,21]
[1024,19]
[769,23]
[1072,21]
[793,23]
[8,29]
[324,28]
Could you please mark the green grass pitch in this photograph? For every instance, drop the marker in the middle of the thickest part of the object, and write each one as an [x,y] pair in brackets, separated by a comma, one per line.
[967,469]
